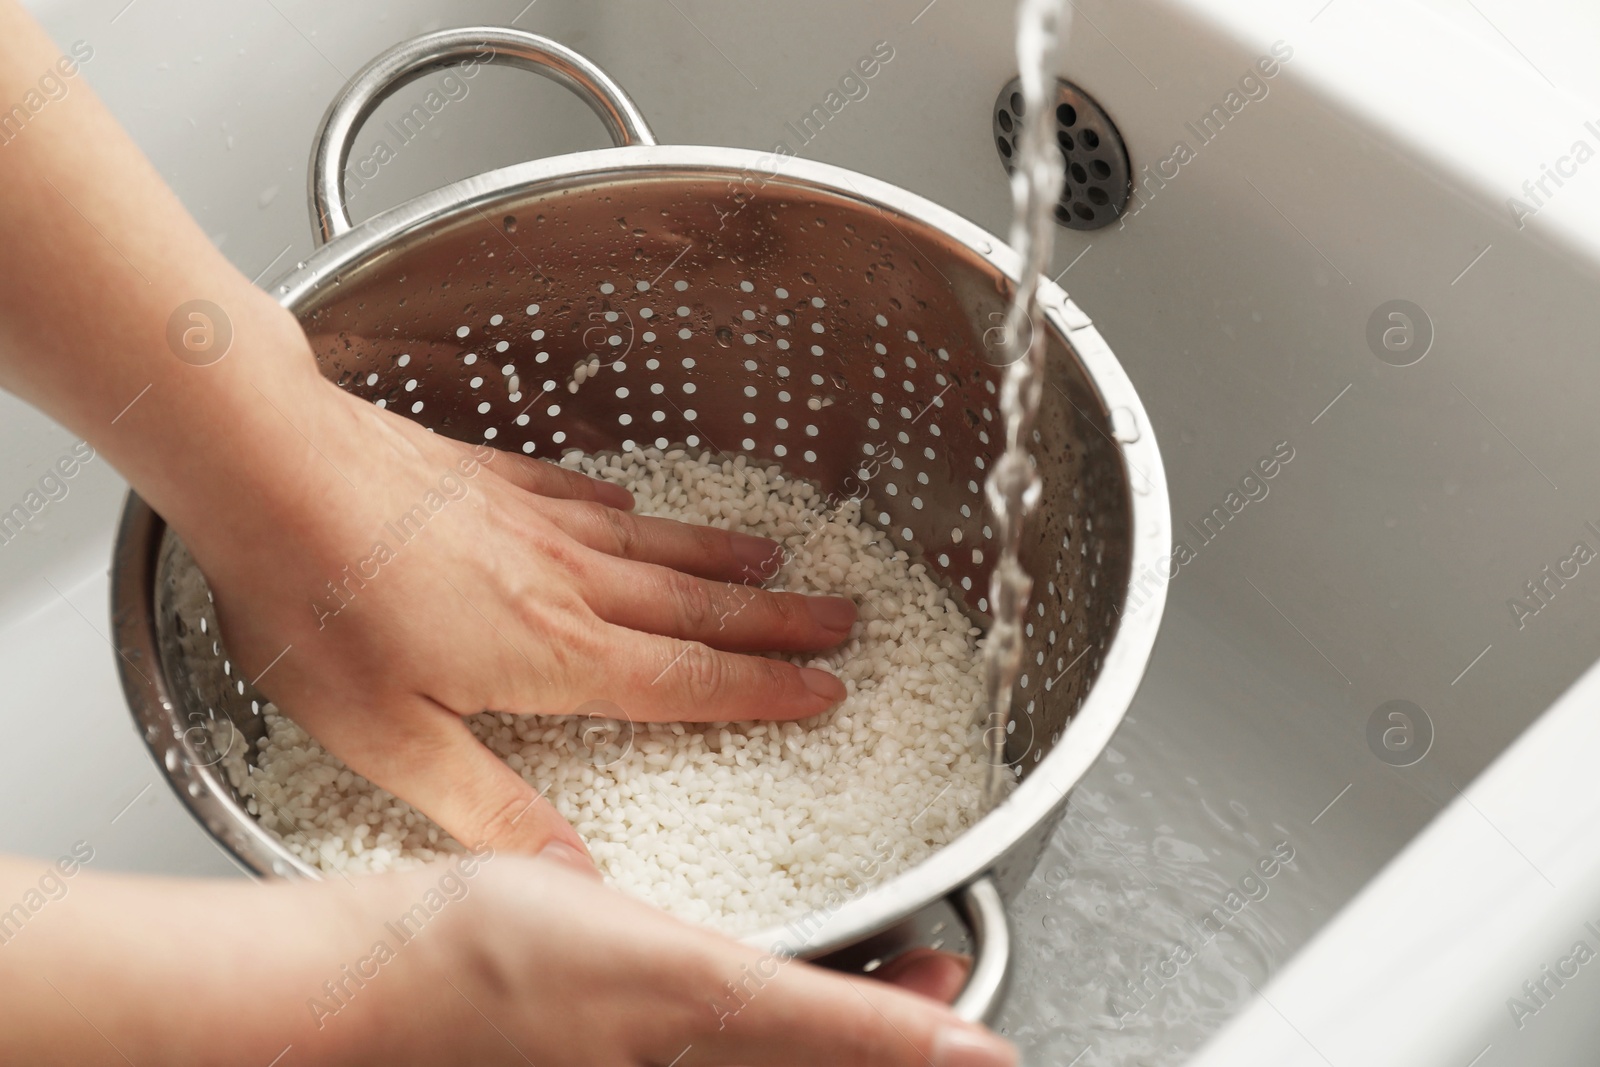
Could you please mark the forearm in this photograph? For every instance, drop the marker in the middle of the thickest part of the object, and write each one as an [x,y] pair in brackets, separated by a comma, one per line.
[190,973]
[98,255]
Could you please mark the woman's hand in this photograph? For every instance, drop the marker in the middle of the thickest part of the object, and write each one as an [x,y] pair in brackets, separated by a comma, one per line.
[382,581]
[602,978]
[489,960]
[500,583]
[516,586]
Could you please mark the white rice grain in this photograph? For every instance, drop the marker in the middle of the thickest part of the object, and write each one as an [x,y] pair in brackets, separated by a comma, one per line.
[736,825]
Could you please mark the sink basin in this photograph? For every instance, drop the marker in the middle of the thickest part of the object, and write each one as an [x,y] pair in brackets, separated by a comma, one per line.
[1261,779]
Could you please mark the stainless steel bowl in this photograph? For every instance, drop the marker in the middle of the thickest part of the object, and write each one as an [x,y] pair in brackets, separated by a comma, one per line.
[827,321]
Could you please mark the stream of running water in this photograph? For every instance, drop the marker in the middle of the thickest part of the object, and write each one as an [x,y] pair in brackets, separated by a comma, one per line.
[1012,488]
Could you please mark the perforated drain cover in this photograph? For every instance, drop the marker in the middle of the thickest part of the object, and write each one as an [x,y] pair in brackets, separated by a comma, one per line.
[1099,177]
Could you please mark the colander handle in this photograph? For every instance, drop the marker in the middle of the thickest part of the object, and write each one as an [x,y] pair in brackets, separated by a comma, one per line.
[422,55]
[982,909]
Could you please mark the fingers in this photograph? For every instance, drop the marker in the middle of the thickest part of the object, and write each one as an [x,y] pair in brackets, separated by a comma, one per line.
[662,679]
[739,618]
[927,972]
[552,480]
[869,1024]
[430,759]
[704,551]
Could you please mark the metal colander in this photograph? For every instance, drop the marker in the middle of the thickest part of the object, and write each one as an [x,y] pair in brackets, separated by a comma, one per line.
[722,300]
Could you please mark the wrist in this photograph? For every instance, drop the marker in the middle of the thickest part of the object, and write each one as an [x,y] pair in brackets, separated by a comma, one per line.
[352,972]
[208,436]
[424,930]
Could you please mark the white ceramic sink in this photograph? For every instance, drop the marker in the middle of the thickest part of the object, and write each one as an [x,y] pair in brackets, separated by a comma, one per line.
[1374,166]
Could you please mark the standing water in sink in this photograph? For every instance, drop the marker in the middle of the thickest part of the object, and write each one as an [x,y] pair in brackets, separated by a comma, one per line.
[1012,487]
[1144,923]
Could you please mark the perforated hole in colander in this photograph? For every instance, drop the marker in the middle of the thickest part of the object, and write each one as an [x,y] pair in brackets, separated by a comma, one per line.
[844,345]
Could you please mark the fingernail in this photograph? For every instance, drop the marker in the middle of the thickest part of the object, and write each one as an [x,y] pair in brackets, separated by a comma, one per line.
[963,1046]
[563,853]
[823,684]
[757,555]
[832,612]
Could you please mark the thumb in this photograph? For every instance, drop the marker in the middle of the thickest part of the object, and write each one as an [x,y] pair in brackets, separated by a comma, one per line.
[432,761]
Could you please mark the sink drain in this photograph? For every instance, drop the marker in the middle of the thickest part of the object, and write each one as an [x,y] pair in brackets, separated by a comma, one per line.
[1099,177]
